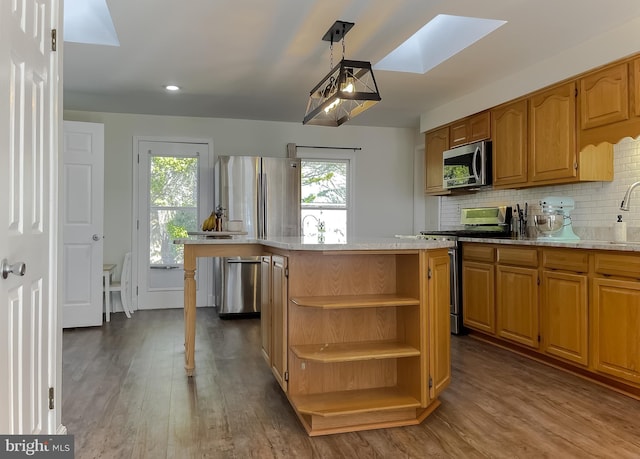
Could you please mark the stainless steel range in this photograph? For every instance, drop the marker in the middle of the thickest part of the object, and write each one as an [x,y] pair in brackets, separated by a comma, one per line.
[480,222]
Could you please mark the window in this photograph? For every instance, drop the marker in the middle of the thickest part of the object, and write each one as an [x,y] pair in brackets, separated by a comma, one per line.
[325,199]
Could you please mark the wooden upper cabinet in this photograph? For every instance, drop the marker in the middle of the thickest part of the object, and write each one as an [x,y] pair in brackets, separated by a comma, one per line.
[609,104]
[552,134]
[471,129]
[604,97]
[509,144]
[436,142]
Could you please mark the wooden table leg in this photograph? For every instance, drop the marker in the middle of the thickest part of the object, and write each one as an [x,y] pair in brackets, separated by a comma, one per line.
[189,309]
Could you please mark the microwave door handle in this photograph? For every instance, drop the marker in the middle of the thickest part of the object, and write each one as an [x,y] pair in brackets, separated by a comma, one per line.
[475,161]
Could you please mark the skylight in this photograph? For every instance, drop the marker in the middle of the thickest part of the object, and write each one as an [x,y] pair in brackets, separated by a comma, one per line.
[89,21]
[441,38]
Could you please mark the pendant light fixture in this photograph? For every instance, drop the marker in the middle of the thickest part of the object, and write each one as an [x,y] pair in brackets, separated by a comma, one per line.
[346,91]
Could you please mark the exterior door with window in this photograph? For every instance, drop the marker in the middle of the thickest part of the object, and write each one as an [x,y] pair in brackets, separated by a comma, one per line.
[174,196]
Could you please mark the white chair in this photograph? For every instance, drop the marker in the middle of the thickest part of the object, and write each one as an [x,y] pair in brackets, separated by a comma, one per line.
[124,287]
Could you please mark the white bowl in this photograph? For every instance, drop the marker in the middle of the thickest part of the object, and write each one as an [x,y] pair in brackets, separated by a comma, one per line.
[234,225]
[549,224]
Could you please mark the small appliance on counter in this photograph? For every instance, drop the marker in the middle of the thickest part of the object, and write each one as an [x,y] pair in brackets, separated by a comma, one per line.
[555,221]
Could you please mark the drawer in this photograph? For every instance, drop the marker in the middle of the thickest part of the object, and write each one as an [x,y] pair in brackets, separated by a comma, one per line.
[471,251]
[519,256]
[612,264]
[568,260]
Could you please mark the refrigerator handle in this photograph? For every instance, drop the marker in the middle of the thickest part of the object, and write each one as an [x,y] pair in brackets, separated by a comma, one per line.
[263,223]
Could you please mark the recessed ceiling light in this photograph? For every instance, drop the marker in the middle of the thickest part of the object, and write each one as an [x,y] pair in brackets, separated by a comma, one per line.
[442,37]
[172,87]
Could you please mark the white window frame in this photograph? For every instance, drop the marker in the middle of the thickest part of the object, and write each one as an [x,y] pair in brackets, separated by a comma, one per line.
[337,155]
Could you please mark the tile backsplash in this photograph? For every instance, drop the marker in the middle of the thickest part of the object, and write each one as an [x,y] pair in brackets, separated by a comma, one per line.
[597,203]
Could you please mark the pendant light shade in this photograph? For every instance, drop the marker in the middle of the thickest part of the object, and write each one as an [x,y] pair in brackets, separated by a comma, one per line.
[346,91]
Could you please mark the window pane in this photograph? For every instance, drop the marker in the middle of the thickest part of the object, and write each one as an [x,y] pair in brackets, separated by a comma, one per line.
[165,226]
[173,181]
[173,198]
[335,225]
[324,182]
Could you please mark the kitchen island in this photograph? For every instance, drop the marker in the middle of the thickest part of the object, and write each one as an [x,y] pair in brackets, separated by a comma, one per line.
[357,334]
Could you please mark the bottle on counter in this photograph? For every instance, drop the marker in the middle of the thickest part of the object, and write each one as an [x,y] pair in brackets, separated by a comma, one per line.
[620,230]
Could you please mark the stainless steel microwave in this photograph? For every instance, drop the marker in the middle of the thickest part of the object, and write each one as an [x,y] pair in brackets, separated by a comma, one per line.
[467,166]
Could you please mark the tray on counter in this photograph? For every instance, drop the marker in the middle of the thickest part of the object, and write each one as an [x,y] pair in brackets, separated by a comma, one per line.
[217,234]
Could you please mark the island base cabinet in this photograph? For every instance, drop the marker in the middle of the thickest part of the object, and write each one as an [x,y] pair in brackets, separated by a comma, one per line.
[360,332]
[616,328]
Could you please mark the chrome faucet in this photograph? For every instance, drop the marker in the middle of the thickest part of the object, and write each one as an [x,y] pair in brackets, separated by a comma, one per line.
[627,197]
[305,218]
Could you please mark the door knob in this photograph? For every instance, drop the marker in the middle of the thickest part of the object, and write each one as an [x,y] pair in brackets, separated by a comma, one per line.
[17,268]
[95,237]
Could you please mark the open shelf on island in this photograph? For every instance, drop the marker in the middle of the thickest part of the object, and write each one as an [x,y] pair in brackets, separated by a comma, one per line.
[350,352]
[354,402]
[354,301]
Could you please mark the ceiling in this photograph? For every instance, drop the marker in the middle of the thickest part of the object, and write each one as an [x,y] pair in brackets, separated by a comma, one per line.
[258,59]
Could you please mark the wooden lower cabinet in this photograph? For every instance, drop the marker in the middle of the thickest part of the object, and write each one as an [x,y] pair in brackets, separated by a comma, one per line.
[366,336]
[615,338]
[565,326]
[517,304]
[478,296]
[279,311]
[265,307]
[584,314]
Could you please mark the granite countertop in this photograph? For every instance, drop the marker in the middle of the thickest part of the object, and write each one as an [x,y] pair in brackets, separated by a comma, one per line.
[630,246]
[311,243]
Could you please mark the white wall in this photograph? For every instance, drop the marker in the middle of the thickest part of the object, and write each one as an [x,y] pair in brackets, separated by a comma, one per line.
[384,182]
[597,203]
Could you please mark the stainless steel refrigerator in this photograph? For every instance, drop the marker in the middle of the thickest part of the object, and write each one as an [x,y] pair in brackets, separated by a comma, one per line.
[265,194]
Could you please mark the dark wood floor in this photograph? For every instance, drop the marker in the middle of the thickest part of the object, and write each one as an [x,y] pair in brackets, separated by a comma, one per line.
[125,394]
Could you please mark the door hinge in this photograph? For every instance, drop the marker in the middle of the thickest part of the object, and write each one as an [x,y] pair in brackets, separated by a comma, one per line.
[430,382]
[136,291]
[429,274]
[54,39]
[538,280]
[538,338]
[51,398]
[575,165]
[286,272]
[139,157]
[286,376]
[576,92]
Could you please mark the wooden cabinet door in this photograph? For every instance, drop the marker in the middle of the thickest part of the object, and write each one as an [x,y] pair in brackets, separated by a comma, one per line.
[552,134]
[471,129]
[517,304]
[604,97]
[564,329]
[279,307]
[479,127]
[509,144]
[436,143]
[265,306]
[478,296]
[615,330]
[440,322]
[635,92]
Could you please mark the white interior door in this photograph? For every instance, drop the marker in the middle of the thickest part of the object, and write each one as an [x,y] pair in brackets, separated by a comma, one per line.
[82,223]
[29,107]
[174,196]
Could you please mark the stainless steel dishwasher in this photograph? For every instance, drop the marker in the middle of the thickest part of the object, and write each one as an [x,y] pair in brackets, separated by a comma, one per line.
[240,288]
